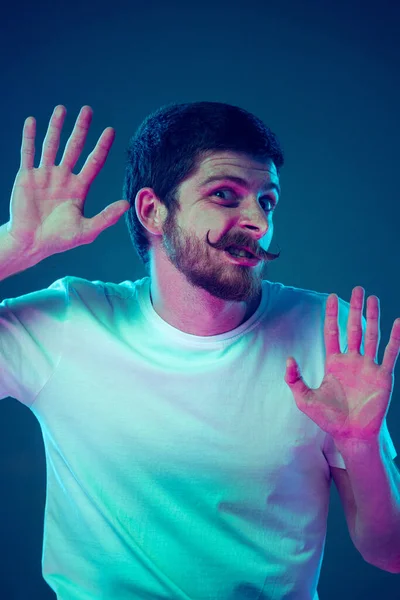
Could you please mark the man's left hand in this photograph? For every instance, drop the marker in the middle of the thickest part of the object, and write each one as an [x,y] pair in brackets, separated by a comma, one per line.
[354,396]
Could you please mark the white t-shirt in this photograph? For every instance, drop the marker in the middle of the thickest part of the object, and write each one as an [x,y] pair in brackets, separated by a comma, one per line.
[178,466]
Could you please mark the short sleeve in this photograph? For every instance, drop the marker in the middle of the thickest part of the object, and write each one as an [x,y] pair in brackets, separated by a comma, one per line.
[31,340]
[331,453]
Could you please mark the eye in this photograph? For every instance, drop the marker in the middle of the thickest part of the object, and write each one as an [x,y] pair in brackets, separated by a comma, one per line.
[271,201]
[222,191]
[263,201]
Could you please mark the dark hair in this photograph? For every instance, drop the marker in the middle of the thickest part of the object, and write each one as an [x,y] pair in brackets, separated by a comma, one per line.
[169,143]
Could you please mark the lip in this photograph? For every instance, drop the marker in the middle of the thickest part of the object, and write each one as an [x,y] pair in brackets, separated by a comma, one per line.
[242,260]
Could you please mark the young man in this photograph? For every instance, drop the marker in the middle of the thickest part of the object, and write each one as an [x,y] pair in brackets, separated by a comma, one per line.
[187,456]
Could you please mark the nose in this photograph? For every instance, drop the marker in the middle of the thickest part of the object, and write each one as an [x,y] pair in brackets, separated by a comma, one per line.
[254,219]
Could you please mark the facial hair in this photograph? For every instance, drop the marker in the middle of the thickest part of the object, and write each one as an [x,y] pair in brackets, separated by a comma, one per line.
[208,268]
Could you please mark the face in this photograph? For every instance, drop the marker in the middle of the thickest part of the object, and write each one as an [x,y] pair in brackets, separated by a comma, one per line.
[220,213]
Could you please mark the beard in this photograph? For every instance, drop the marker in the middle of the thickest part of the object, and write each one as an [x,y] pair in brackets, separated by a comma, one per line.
[206,265]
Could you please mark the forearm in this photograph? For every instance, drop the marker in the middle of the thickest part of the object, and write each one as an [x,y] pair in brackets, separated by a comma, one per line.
[375,483]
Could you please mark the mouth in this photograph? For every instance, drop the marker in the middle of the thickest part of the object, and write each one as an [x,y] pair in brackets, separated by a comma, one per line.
[242,260]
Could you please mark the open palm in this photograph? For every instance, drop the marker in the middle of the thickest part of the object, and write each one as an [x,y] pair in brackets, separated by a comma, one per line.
[47,203]
[354,396]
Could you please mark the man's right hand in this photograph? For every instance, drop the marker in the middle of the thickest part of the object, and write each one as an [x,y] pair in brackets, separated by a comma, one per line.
[47,203]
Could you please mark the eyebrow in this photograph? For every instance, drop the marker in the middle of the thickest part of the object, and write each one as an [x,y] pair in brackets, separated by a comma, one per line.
[240,181]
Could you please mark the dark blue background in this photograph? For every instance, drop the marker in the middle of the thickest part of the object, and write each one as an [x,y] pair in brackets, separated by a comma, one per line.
[324,75]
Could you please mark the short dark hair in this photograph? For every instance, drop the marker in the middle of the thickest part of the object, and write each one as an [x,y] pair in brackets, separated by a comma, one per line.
[169,143]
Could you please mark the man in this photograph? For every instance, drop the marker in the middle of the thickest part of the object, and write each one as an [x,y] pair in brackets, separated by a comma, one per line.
[187,455]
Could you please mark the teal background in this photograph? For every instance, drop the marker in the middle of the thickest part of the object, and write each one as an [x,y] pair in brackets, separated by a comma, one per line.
[323,75]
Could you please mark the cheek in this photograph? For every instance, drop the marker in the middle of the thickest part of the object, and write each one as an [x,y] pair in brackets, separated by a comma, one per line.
[209,221]
[268,236]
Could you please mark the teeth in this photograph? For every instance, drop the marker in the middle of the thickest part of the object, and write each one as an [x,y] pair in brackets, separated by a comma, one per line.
[243,253]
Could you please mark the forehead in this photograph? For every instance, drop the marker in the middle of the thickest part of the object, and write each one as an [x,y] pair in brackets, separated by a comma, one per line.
[224,162]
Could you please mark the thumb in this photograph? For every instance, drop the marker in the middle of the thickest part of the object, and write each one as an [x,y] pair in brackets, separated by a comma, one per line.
[107,217]
[295,380]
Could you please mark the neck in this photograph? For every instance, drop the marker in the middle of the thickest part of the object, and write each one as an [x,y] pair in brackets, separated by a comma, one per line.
[197,312]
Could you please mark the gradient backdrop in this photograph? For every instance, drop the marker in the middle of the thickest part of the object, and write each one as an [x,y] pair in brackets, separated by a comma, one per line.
[324,75]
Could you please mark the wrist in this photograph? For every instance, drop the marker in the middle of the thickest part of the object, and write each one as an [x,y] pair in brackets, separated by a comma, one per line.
[14,257]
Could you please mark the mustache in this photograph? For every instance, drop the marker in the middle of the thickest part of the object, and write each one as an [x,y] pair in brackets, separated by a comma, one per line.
[258,252]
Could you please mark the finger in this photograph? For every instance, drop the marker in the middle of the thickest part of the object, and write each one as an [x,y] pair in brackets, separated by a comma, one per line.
[28,144]
[392,349]
[331,328]
[97,157]
[52,140]
[295,381]
[372,332]
[354,323]
[108,216]
[77,138]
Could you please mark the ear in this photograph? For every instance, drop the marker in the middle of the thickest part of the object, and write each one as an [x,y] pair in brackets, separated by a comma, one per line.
[150,210]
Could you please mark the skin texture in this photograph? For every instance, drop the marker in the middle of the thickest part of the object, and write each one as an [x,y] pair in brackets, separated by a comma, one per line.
[194,286]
